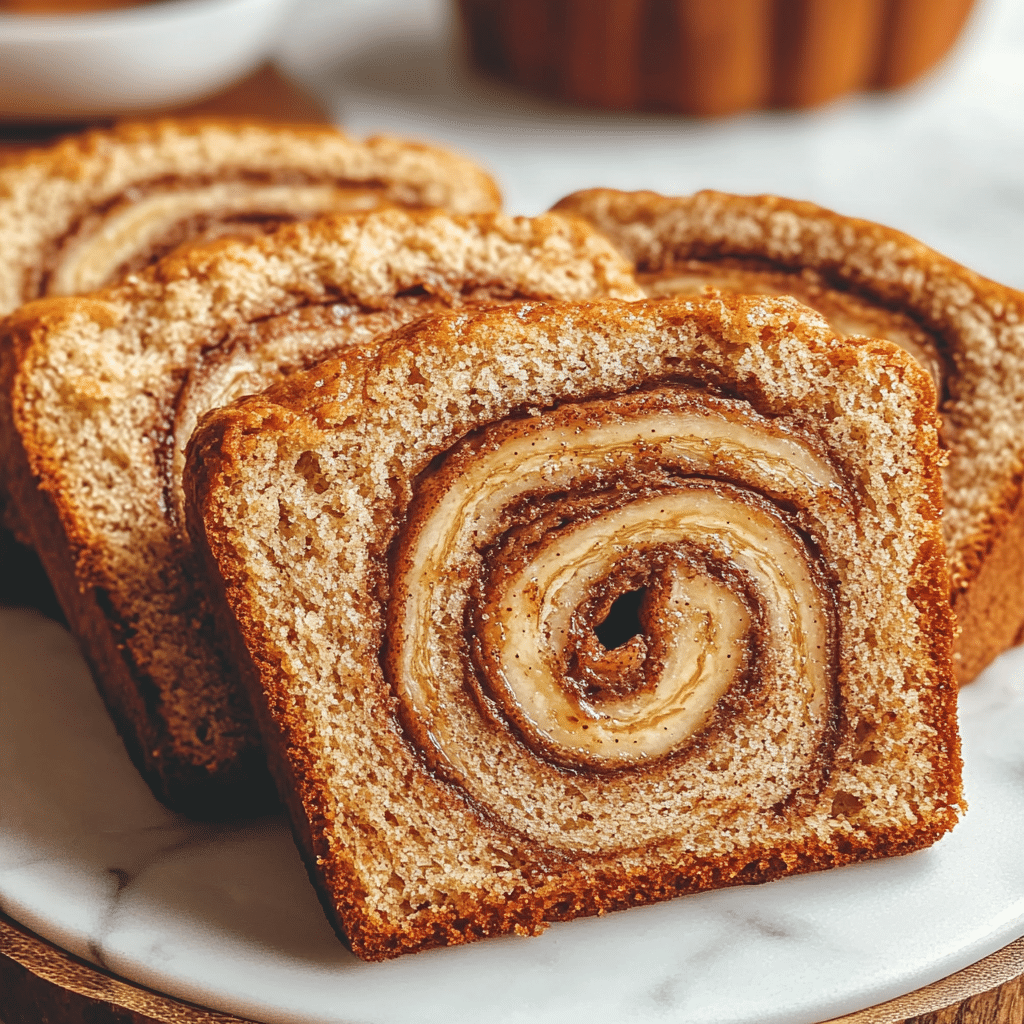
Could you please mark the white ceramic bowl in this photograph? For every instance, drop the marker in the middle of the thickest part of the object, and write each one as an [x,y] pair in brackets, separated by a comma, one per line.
[65,67]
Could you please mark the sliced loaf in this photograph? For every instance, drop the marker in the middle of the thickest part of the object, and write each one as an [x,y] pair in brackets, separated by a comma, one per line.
[100,395]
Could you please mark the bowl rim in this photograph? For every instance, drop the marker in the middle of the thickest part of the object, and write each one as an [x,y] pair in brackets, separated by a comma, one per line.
[144,15]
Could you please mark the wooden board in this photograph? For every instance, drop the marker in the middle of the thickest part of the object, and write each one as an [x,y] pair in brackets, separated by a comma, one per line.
[265,93]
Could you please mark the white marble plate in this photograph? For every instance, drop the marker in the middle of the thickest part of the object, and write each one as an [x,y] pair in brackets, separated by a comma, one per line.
[224,915]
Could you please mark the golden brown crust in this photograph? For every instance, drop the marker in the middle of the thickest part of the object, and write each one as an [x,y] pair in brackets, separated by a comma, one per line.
[46,194]
[989,611]
[976,323]
[93,387]
[302,468]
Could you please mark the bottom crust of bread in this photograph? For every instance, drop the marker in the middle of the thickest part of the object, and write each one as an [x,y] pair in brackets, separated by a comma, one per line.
[990,612]
[247,788]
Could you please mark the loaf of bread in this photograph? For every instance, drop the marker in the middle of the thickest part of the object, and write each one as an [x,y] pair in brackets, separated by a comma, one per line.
[870,280]
[554,610]
[709,57]
[100,395]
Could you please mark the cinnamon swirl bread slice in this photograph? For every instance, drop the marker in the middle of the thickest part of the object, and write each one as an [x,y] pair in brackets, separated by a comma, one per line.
[83,213]
[557,610]
[870,280]
[102,393]
[79,215]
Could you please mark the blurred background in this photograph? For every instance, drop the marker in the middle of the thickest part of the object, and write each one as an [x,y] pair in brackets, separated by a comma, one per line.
[942,159]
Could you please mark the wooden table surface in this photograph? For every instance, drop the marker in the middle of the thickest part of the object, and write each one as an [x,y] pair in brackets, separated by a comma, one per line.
[41,984]
[266,94]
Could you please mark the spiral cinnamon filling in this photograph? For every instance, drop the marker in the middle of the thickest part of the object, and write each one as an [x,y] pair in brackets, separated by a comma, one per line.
[139,228]
[261,353]
[697,636]
[848,314]
[616,586]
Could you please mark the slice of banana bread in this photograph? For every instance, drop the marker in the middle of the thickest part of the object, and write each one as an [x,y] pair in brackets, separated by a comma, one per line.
[100,395]
[871,280]
[556,610]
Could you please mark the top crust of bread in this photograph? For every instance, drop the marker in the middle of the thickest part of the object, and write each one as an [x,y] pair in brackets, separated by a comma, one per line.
[44,193]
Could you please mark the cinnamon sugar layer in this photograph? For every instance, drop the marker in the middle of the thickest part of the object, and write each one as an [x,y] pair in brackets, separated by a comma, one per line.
[591,489]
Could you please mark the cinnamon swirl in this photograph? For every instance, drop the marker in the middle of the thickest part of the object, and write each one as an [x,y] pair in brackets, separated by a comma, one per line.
[557,610]
[82,214]
[870,280]
[102,394]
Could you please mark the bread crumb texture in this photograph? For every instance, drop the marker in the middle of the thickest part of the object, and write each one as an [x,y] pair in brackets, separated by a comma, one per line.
[103,393]
[425,815]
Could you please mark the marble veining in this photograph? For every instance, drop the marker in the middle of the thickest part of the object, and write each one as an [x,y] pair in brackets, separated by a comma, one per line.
[177,837]
[224,915]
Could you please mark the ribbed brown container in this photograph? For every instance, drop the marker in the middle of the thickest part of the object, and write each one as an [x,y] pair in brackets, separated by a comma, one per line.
[710,57]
